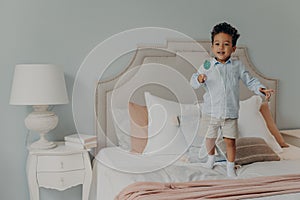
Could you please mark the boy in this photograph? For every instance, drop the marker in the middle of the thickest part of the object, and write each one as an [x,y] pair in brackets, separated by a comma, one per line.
[220,78]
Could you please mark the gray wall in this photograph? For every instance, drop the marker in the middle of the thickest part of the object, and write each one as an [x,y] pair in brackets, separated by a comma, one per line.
[63,32]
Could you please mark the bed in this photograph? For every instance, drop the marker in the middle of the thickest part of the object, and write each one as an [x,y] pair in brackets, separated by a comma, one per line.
[158,77]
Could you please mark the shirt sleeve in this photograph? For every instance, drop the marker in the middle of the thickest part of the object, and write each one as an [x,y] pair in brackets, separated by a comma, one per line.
[251,82]
[194,80]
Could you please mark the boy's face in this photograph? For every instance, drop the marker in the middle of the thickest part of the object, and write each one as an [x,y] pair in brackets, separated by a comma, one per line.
[222,47]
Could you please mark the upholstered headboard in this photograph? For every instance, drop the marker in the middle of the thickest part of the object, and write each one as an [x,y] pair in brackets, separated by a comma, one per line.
[180,57]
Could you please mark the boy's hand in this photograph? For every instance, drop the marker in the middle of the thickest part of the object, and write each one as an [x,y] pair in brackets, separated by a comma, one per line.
[202,78]
[267,92]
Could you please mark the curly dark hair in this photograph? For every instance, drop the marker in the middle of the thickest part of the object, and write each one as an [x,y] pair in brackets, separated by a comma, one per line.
[225,28]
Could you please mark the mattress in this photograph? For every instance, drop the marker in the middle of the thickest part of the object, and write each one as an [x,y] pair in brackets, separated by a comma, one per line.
[114,169]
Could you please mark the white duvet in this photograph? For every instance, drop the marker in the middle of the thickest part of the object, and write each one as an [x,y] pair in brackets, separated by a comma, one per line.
[114,169]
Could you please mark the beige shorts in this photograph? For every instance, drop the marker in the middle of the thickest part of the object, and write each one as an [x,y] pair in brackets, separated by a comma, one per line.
[210,126]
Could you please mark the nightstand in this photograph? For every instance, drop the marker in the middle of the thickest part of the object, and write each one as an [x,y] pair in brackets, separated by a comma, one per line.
[59,168]
[291,136]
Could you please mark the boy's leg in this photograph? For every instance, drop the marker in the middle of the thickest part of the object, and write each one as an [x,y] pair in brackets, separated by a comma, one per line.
[229,134]
[209,129]
[230,149]
[210,147]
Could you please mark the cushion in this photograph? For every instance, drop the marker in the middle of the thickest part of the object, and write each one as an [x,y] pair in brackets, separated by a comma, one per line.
[131,127]
[252,124]
[250,150]
[138,127]
[253,149]
[164,136]
[267,115]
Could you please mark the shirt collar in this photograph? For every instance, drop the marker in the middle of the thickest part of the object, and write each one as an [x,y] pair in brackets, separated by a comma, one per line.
[215,62]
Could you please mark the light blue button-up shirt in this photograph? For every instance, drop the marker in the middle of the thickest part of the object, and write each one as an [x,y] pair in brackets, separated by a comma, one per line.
[221,99]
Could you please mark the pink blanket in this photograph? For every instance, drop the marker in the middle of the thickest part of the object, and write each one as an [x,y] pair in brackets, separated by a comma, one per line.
[213,189]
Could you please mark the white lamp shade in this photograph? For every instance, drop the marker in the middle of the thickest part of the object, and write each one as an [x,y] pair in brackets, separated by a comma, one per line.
[38,84]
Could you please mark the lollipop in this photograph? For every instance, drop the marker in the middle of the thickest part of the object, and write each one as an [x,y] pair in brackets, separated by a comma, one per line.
[206,65]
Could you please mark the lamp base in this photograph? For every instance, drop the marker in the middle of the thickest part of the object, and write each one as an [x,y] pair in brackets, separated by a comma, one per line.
[42,121]
[42,143]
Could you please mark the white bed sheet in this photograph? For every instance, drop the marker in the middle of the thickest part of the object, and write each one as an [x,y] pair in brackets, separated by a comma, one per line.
[109,180]
[290,153]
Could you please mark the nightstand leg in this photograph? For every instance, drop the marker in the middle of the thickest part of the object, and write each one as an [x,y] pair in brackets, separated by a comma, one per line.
[31,178]
[87,178]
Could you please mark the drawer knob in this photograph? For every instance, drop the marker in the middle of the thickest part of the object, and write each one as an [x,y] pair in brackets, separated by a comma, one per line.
[62,165]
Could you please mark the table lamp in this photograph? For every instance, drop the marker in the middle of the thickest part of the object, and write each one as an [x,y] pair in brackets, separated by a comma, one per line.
[39,85]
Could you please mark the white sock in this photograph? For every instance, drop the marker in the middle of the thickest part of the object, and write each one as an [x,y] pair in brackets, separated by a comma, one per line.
[231,169]
[210,162]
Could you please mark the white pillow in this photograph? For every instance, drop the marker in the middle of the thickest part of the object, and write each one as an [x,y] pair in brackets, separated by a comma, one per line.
[252,124]
[164,136]
[121,123]
[190,123]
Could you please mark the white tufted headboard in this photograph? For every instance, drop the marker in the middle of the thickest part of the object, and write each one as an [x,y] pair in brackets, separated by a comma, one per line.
[181,56]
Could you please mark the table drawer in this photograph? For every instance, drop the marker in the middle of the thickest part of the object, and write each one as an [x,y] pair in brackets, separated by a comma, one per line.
[60,180]
[60,163]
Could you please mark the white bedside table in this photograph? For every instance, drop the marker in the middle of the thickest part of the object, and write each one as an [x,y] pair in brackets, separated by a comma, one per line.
[59,168]
[291,136]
